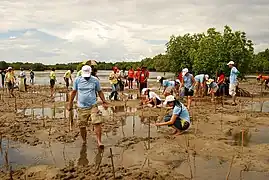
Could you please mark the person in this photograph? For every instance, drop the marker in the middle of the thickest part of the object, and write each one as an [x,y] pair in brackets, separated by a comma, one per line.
[67,76]
[32,76]
[170,87]
[263,79]
[114,80]
[200,84]
[91,63]
[143,79]
[86,87]
[152,100]
[137,75]
[212,88]
[52,81]
[122,79]
[23,80]
[179,118]
[131,74]
[188,84]
[10,81]
[233,81]
[221,83]
[3,73]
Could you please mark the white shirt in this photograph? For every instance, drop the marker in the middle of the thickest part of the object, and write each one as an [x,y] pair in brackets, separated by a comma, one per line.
[22,74]
[153,95]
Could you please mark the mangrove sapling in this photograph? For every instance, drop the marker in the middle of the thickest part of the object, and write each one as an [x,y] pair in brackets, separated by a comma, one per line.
[230,168]
[188,154]
[112,163]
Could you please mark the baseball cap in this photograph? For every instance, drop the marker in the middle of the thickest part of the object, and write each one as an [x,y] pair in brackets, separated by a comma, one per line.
[168,99]
[185,71]
[230,63]
[9,68]
[178,81]
[206,77]
[86,71]
[159,78]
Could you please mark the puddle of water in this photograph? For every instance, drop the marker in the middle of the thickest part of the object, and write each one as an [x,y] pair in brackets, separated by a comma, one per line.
[260,135]
[60,97]
[259,107]
[130,96]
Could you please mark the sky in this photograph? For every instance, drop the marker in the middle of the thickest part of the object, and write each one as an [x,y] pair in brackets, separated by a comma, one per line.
[63,31]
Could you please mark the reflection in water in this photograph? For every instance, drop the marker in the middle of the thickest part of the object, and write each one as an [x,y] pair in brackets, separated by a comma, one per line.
[98,158]
[83,161]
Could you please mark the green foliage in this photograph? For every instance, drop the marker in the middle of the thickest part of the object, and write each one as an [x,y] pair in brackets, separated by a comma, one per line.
[260,62]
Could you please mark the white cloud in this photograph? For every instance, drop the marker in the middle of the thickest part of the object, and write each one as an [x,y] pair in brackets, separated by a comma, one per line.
[72,30]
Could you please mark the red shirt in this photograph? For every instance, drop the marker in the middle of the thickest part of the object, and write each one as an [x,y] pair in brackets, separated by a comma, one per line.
[143,75]
[131,73]
[221,78]
[180,77]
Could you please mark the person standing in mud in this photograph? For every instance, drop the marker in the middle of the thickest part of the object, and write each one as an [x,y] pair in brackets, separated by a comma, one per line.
[67,76]
[3,73]
[137,74]
[188,84]
[233,81]
[10,81]
[179,118]
[32,77]
[52,82]
[114,81]
[143,79]
[23,77]
[86,87]
[131,74]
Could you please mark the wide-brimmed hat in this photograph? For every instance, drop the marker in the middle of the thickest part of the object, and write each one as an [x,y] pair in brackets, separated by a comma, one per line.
[169,99]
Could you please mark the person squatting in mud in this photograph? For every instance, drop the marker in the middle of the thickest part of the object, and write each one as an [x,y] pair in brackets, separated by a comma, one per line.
[86,87]
[263,79]
[178,118]
[169,87]
[152,99]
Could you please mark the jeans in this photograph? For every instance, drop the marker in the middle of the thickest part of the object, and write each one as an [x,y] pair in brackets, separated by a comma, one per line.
[114,92]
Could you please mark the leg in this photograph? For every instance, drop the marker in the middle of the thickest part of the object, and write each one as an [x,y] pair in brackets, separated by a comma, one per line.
[189,102]
[97,122]
[83,133]
[98,132]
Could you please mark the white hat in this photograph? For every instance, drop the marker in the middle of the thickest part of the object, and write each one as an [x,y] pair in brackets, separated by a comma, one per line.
[9,68]
[144,90]
[230,63]
[168,99]
[206,77]
[185,71]
[86,71]
[159,78]
[178,81]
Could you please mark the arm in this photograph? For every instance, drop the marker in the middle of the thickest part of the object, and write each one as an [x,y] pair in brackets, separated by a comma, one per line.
[164,88]
[172,121]
[72,97]
[101,95]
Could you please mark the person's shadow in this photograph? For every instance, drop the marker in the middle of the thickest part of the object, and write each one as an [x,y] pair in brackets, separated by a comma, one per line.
[83,161]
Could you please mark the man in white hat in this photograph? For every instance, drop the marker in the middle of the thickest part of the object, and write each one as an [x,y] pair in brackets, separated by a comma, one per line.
[188,84]
[86,86]
[179,118]
[233,81]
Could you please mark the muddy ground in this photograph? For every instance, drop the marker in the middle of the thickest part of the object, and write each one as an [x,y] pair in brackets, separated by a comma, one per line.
[38,141]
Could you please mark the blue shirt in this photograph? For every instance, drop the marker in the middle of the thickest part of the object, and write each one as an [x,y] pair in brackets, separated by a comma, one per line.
[199,78]
[188,80]
[86,91]
[182,112]
[233,75]
[167,83]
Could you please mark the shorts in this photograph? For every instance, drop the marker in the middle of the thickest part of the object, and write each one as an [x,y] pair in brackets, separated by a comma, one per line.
[187,92]
[130,79]
[232,89]
[10,85]
[66,81]
[158,102]
[52,83]
[180,124]
[215,89]
[92,113]
[142,86]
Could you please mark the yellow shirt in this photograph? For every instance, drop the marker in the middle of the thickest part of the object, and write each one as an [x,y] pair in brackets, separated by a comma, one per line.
[67,74]
[52,75]
[113,77]
[9,77]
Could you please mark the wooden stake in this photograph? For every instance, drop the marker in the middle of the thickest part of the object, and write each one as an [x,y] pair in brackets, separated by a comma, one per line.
[112,163]
[64,111]
[149,134]
[33,114]
[242,143]
[43,114]
[15,104]
[230,168]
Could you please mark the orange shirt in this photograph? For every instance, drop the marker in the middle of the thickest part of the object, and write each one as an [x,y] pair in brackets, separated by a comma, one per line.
[131,73]
[263,77]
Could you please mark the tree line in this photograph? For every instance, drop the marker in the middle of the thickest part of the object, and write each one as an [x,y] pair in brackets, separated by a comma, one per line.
[206,52]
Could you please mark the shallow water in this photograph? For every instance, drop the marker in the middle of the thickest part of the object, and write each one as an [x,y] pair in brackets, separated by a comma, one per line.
[259,107]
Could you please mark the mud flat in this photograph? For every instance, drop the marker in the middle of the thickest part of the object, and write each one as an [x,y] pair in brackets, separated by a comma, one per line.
[39,142]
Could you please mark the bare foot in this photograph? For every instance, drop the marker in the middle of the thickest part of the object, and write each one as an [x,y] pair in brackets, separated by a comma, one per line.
[179,133]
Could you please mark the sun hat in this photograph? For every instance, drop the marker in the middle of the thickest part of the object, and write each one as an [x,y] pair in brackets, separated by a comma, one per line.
[159,78]
[168,99]
[185,71]
[177,81]
[206,77]
[93,62]
[86,71]
[144,90]
[230,63]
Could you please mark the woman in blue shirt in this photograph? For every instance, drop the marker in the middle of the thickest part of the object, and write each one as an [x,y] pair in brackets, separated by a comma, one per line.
[179,118]
[169,87]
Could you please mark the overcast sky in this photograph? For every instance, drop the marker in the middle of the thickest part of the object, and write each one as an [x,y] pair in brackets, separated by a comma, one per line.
[61,31]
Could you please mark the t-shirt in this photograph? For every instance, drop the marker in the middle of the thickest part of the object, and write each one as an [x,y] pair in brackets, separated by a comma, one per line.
[32,74]
[221,78]
[143,75]
[167,83]
[131,73]
[233,75]
[86,91]
[52,75]
[67,74]
[182,112]
[137,74]
[113,77]
[22,74]
[199,78]
[9,77]
[153,95]
[188,80]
